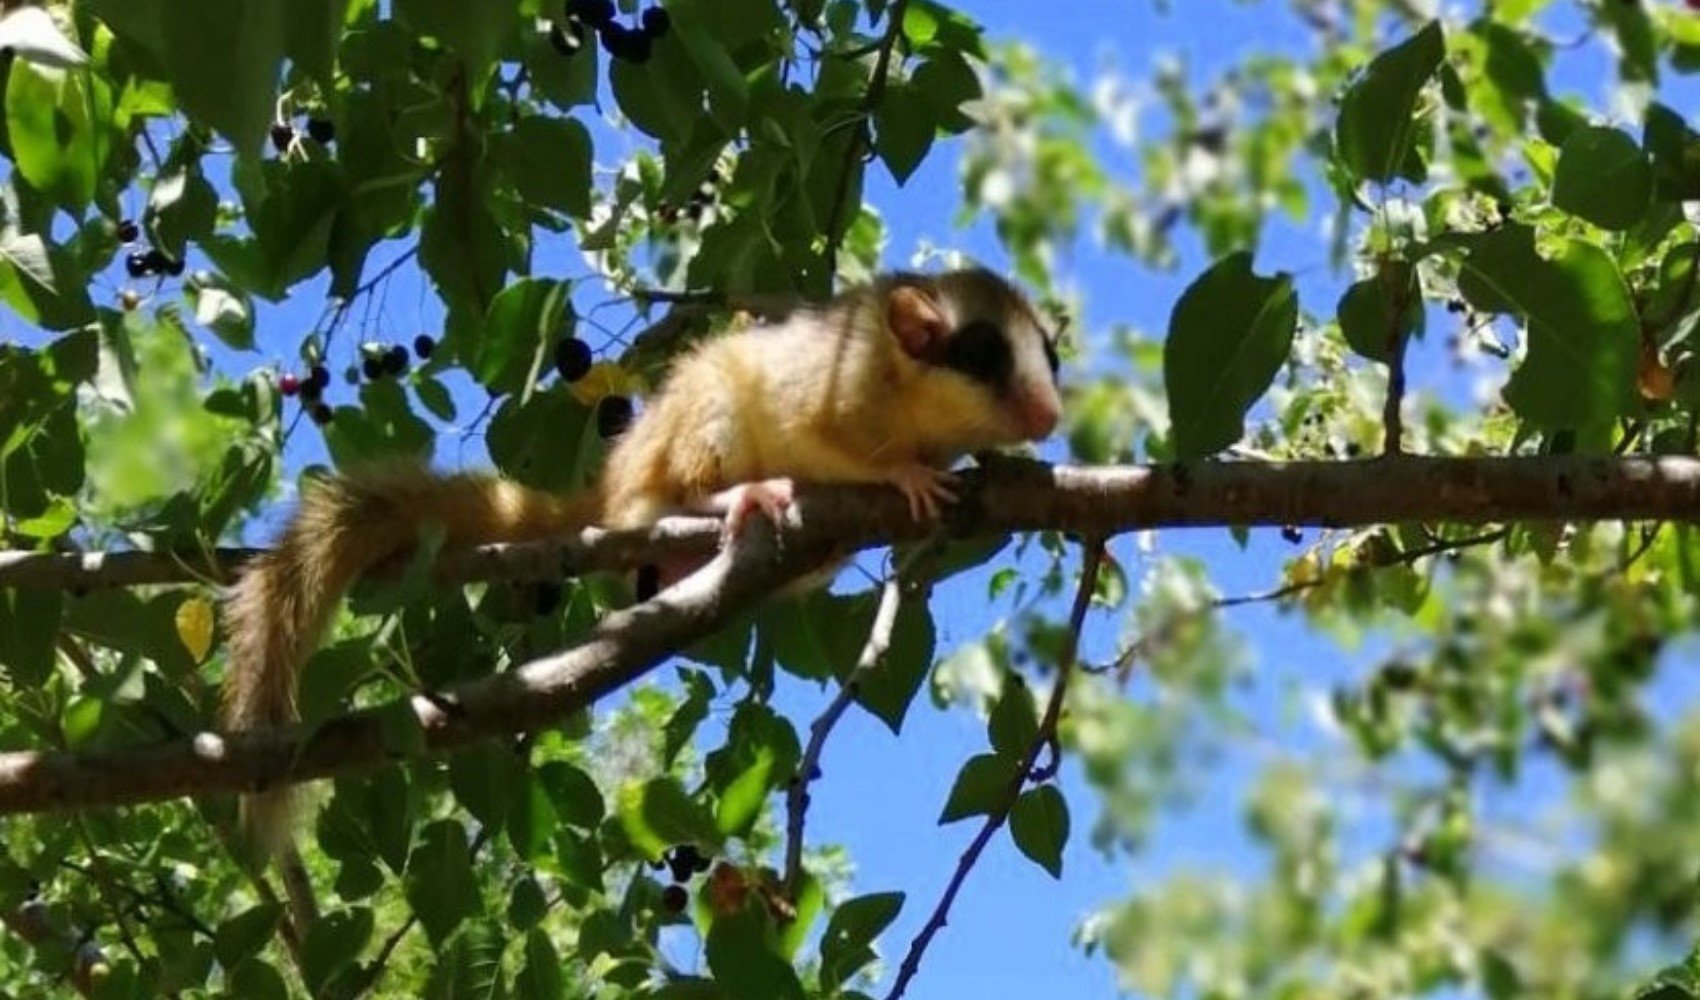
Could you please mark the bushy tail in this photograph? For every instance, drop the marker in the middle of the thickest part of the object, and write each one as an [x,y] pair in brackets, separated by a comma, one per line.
[279,609]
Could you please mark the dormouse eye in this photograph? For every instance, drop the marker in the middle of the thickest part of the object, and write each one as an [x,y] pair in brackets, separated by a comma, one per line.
[979,350]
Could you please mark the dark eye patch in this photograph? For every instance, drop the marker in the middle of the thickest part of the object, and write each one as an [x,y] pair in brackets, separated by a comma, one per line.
[1051,356]
[980,350]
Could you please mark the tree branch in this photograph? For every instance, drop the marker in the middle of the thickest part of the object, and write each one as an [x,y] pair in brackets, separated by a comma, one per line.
[859,137]
[1010,496]
[1013,495]
[1045,738]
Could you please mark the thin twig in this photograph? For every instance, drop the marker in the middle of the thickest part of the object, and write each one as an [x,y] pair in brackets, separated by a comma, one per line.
[1045,738]
[379,961]
[873,654]
[859,135]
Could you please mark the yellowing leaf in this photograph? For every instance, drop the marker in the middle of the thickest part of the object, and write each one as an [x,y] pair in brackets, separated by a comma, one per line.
[195,626]
[605,378]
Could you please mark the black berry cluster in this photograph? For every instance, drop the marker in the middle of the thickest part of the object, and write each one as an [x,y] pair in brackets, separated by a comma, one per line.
[311,390]
[705,196]
[321,130]
[630,44]
[381,361]
[152,261]
[682,862]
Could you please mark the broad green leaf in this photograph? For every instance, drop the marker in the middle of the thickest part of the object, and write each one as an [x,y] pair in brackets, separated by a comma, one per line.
[549,161]
[1366,311]
[1378,115]
[333,943]
[526,903]
[564,81]
[519,333]
[486,779]
[222,307]
[42,284]
[743,961]
[55,121]
[1583,334]
[1675,152]
[29,625]
[659,814]
[1039,824]
[847,945]
[760,755]
[980,787]
[244,935]
[473,28]
[311,36]
[890,687]
[223,58]
[1603,177]
[541,977]
[904,128]
[1014,722]
[182,207]
[441,886]
[1228,336]
[693,709]
[472,966]
[531,820]
[256,980]
[574,795]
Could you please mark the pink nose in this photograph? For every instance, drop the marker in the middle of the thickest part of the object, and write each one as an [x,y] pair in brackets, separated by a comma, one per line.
[1038,413]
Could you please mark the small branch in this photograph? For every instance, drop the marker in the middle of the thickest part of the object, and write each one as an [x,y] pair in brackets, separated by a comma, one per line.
[858,146]
[873,654]
[1045,738]
[382,958]
[1398,339]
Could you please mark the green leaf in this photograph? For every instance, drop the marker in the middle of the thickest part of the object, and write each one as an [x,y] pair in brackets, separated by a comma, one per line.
[1675,152]
[904,128]
[256,980]
[472,967]
[682,724]
[743,962]
[244,935]
[847,946]
[333,943]
[980,787]
[1378,115]
[311,35]
[1583,334]
[525,320]
[486,779]
[890,687]
[1603,177]
[440,884]
[549,161]
[566,82]
[658,815]
[473,28]
[1228,336]
[1014,721]
[1039,824]
[526,903]
[182,206]
[1367,319]
[223,58]
[531,820]
[760,754]
[56,145]
[541,978]
[224,308]
[42,284]
[574,795]
[29,627]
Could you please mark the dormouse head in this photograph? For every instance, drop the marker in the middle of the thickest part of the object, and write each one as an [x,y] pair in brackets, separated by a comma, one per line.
[986,356]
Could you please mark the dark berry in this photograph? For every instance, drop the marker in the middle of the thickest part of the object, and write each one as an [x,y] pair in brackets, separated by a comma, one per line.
[674,898]
[282,136]
[625,44]
[174,266]
[688,856]
[138,265]
[572,358]
[596,13]
[351,375]
[656,22]
[395,360]
[648,582]
[157,262]
[323,130]
[288,383]
[322,414]
[319,378]
[546,597]
[613,416]
[423,345]
[128,231]
[372,368]
[1292,534]
[569,41]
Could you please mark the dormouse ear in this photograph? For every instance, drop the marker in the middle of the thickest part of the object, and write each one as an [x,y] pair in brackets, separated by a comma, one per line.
[915,320]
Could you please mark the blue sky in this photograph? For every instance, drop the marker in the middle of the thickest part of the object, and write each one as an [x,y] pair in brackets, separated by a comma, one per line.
[1009,935]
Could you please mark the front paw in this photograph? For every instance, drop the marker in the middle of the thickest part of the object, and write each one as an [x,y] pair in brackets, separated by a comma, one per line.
[924,487]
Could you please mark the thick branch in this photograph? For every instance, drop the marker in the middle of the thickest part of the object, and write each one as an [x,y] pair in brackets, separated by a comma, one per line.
[1013,495]
[618,650]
